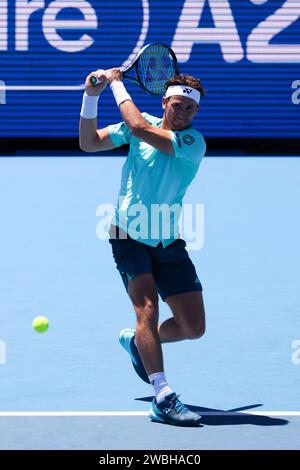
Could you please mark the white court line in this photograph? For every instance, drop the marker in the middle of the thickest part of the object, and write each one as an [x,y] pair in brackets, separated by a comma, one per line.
[140,413]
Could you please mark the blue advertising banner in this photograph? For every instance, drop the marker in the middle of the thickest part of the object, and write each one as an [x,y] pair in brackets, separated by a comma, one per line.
[246,53]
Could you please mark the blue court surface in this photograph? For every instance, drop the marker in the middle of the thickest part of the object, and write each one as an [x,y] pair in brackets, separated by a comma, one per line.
[73,387]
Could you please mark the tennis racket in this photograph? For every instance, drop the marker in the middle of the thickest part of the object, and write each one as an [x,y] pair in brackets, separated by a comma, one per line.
[153,66]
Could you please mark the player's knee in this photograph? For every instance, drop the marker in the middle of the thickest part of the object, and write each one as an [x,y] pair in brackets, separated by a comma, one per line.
[148,305]
[147,313]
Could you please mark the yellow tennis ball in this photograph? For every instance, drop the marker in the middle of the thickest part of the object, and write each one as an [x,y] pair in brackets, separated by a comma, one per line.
[40,324]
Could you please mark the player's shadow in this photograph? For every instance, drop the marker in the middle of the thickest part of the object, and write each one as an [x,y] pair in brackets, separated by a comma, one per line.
[236,416]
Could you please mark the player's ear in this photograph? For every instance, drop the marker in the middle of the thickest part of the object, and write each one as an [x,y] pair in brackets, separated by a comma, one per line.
[164,102]
[197,110]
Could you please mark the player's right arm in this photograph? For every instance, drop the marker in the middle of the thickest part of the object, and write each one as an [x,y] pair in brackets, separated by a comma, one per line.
[92,139]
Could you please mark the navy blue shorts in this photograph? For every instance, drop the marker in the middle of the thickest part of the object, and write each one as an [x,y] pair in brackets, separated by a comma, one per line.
[171,267]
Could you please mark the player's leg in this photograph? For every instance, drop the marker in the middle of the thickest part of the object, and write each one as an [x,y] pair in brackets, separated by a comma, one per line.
[133,261]
[143,294]
[135,265]
[166,407]
[188,321]
[179,286]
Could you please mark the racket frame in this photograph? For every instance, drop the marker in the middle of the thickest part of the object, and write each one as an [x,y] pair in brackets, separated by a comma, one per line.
[134,65]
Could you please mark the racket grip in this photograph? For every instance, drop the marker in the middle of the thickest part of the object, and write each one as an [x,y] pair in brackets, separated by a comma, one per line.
[94,80]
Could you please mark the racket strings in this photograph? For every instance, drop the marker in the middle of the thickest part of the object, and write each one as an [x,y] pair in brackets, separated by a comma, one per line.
[155,67]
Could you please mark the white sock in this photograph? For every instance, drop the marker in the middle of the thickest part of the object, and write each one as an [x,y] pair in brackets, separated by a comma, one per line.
[161,387]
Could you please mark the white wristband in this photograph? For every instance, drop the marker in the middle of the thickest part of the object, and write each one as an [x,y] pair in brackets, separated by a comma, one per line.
[89,109]
[120,92]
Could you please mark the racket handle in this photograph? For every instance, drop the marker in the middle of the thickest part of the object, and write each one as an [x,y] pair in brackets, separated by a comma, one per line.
[94,80]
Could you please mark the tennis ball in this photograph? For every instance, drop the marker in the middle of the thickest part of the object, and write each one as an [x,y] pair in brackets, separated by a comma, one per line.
[40,324]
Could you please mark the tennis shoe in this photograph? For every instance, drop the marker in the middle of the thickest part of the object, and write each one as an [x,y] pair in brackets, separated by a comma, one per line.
[172,411]
[126,339]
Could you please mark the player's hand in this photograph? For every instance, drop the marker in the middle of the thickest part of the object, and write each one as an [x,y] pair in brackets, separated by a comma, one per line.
[95,90]
[113,75]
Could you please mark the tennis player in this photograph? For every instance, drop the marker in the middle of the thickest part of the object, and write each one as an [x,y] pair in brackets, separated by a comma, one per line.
[164,156]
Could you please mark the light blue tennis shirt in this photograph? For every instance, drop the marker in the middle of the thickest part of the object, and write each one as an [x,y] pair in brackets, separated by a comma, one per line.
[154,183]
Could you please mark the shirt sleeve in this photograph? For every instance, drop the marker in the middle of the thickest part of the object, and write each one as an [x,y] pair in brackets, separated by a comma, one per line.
[119,134]
[189,145]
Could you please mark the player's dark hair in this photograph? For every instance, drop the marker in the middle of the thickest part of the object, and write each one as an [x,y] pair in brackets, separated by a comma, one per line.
[187,80]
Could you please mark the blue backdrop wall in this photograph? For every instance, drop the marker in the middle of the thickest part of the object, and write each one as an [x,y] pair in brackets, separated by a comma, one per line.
[247,54]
